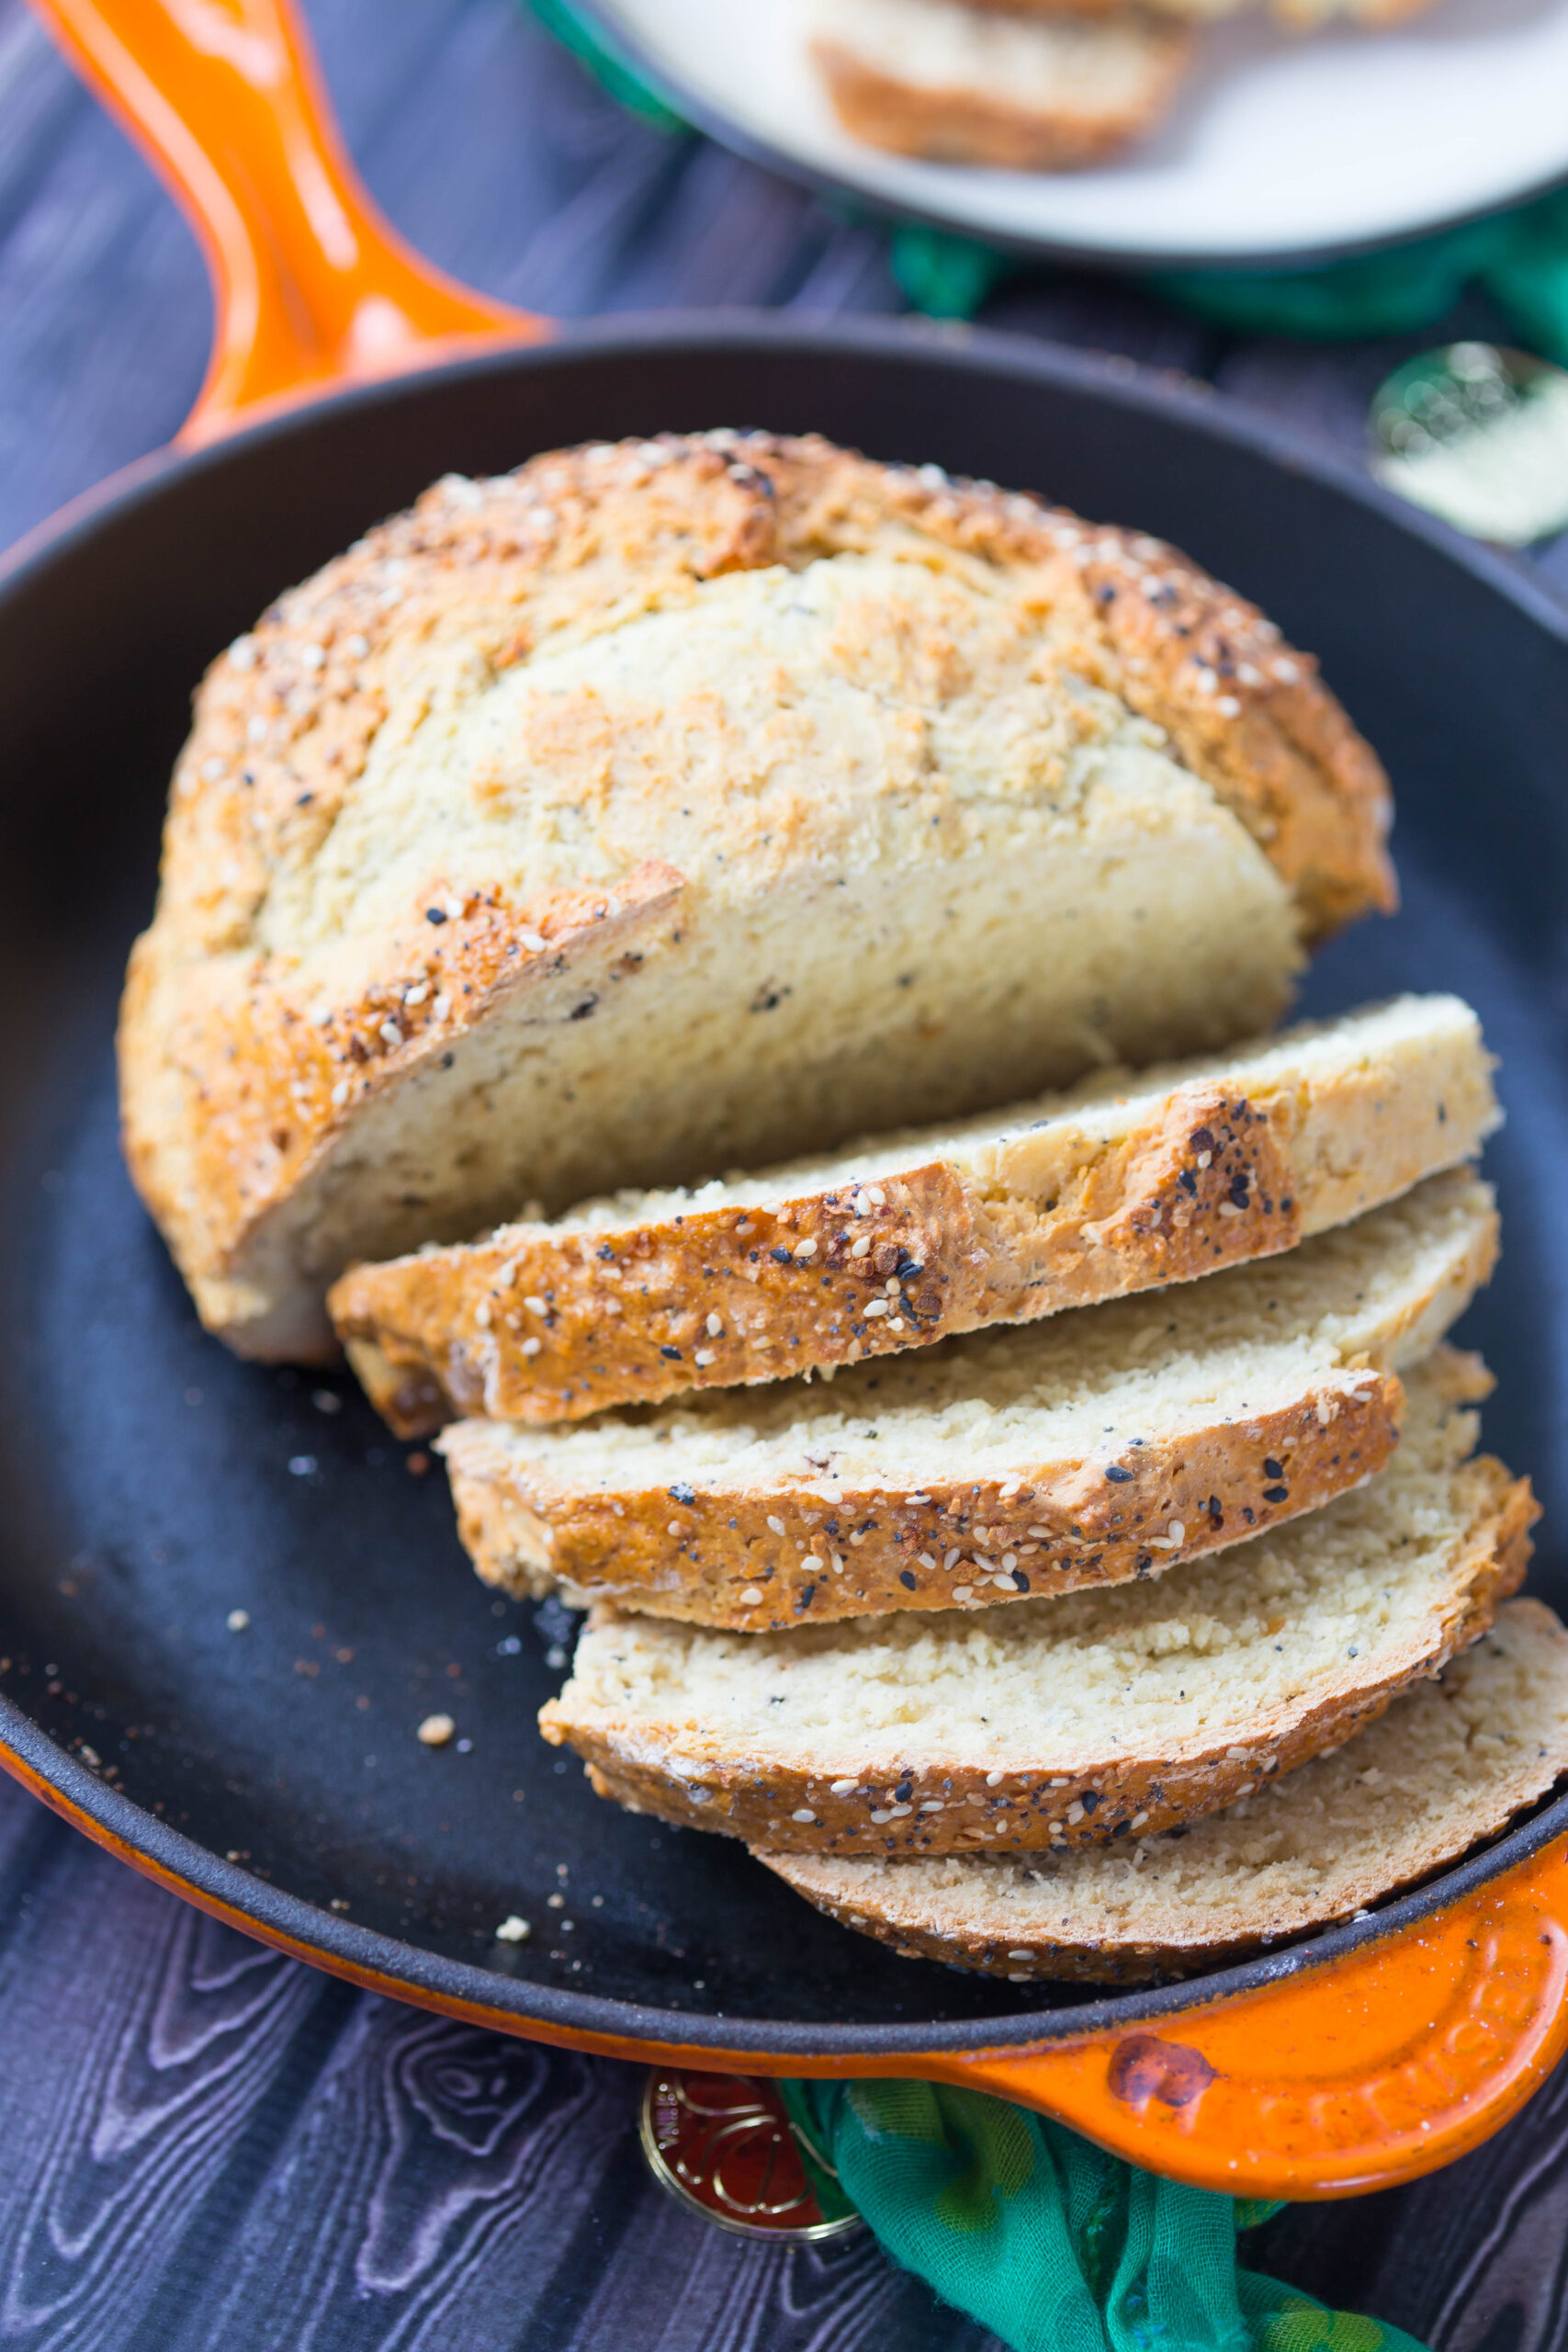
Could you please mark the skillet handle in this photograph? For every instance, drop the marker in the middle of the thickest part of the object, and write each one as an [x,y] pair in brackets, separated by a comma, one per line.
[311,286]
[1347,2077]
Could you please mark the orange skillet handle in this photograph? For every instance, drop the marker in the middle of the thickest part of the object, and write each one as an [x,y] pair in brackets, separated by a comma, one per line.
[311,286]
[1344,2078]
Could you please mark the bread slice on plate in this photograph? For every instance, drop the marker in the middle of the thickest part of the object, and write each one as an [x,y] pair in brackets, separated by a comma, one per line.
[1129,1181]
[1106,1443]
[1302,15]
[683,804]
[1308,16]
[1059,1722]
[1450,1764]
[963,86]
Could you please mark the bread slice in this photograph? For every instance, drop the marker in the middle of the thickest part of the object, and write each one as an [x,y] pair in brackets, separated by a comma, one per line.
[681,804]
[961,85]
[1448,1765]
[1309,16]
[1061,1722]
[1302,15]
[1104,1444]
[1132,1180]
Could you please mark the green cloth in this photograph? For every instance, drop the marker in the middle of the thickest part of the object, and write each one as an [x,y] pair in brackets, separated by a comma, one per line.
[1519,258]
[613,71]
[1046,2240]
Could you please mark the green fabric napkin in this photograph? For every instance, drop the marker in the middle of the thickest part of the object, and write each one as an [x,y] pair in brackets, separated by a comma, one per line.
[1046,2240]
[1520,258]
[609,68]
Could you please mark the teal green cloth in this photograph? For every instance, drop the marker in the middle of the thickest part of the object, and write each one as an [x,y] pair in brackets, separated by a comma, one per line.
[614,71]
[1046,2240]
[1519,258]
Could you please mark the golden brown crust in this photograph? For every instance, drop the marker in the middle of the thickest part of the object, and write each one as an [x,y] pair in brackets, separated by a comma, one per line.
[694,1557]
[281,1084]
[1132,1963]
[543,1324]
[988,1955]
[778,1807]
[970,126]
[1183,650]
[220,1054]
[722,1541]
[1022,1955]
[1204,1184]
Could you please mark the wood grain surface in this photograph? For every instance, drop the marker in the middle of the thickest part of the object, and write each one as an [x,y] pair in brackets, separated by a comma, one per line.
[207,2146]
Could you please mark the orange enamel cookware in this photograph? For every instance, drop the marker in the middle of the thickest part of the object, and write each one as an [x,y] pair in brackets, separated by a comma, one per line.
[150,1484]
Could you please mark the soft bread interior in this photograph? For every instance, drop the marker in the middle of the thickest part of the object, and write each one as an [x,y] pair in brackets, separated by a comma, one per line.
[1421,1056]
[1448,1765]
[1046,63]
[1228,1653]
[859,985]
[1123,1185]
[1086,1386]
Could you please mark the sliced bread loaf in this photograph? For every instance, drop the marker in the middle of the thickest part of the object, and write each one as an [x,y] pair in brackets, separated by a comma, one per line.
[1302,14]
[963,86]
[1061,1722]
[1131,1179]
[686,803]
[1106,1443]
[1450,1764]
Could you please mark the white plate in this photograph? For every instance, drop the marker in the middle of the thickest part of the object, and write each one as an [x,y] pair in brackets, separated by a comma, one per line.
[1279,149]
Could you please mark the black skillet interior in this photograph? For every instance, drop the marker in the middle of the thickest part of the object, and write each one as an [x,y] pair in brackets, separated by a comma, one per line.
[150,1484]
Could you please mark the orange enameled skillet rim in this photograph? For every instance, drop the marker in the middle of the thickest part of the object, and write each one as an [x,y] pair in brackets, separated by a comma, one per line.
[515,2005]
[1370,2055]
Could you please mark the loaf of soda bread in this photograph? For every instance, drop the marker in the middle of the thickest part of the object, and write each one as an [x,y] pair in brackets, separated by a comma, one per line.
[682,804]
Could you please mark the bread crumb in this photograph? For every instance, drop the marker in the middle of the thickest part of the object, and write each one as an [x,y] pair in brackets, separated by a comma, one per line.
[435,1731]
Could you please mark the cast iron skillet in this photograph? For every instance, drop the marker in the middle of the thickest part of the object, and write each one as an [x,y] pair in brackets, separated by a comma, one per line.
[150,1484]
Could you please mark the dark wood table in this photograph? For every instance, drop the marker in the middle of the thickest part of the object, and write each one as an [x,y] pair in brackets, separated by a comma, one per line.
[203,2145]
